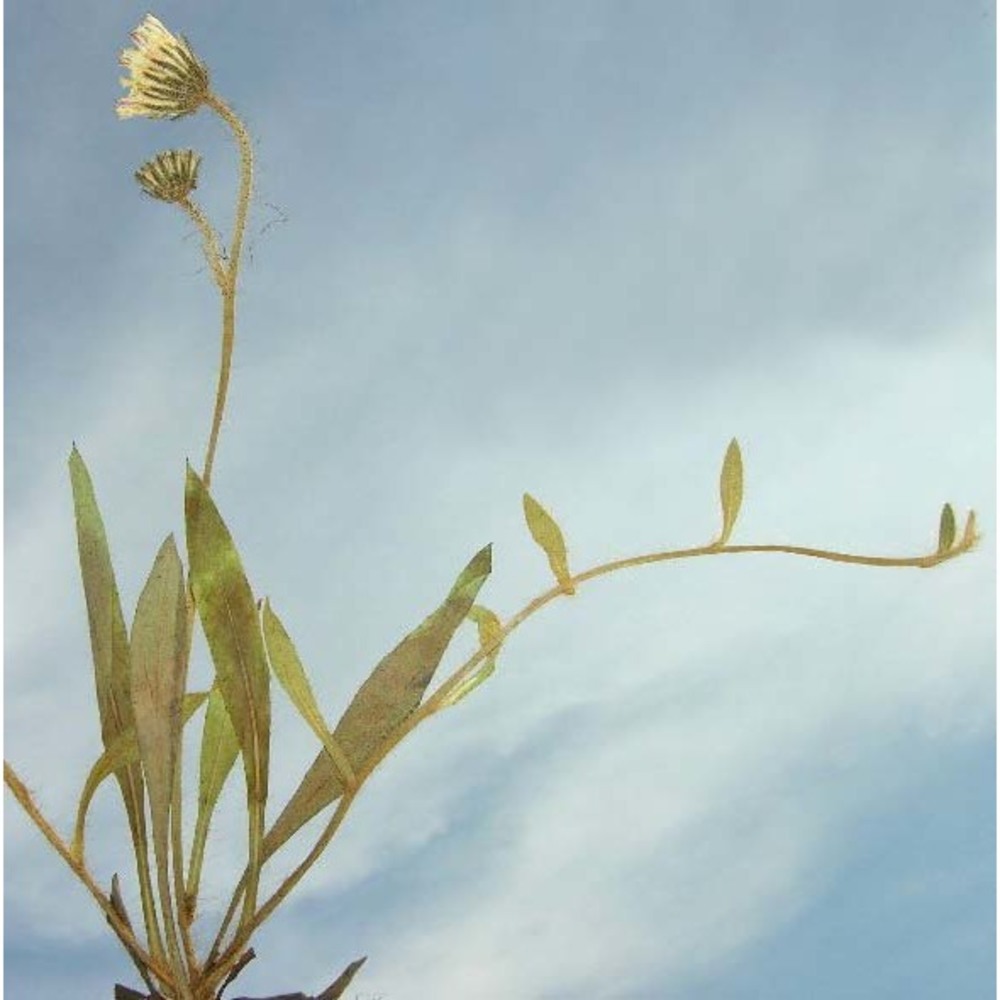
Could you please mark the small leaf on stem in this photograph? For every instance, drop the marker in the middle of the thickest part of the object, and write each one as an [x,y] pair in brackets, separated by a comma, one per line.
[946,529]
[970,536]
[549,538]
[730,489]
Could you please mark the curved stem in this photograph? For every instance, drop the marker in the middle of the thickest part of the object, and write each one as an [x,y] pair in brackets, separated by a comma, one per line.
[439,699]
[242,136]
[229,278]
[125,935]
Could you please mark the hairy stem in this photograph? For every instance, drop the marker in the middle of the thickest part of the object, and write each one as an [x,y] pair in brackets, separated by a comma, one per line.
[228,285]
[125,935]
[209,241]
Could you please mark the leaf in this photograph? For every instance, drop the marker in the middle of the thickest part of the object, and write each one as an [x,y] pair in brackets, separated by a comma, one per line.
[159,670]
[490,637]
[547,535]
[219,750]
[946,529]
[123,752]
[969,535]
[108,640]
[489,626]
[291,675]
[229,618]
[730,489]
[337,988]
[392,691]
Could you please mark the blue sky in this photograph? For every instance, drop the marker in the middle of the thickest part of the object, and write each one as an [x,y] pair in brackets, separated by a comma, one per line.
[570,248]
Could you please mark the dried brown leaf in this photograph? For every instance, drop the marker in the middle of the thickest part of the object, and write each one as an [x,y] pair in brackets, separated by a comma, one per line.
[108,640]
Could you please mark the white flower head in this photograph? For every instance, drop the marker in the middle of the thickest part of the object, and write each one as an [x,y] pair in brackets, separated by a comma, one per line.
[167,80]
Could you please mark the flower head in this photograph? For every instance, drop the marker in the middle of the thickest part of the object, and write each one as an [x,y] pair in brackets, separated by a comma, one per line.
[171,175]
[167,80]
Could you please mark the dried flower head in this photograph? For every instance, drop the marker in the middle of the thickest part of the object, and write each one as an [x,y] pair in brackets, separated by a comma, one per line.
[167,80]
[171,175]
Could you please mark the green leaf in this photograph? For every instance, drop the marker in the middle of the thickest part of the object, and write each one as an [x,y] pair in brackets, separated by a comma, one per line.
[219,750]
[159,672]
[730,489]
[392,691]
[228,615]
[946,529]
[123,752]
[547,535]
[291,675]
[108,641]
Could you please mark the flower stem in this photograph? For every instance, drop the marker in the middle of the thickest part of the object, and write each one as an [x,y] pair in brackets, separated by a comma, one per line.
[209,241]
[228,280]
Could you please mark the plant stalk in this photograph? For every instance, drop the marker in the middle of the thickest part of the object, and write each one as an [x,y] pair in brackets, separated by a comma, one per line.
[216,961]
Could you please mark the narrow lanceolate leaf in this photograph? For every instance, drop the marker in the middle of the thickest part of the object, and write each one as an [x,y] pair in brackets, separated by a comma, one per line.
[159,670]
[123,752]
[291,675]
[730,489]
[219,750]
[229,618]
[547,535]
[946,529]
[392,691]
[108,640]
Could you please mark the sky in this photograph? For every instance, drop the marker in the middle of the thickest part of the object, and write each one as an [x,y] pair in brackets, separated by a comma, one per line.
[569,248]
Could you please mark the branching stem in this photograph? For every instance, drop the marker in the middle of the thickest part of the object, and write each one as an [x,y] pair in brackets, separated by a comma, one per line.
[217,962]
